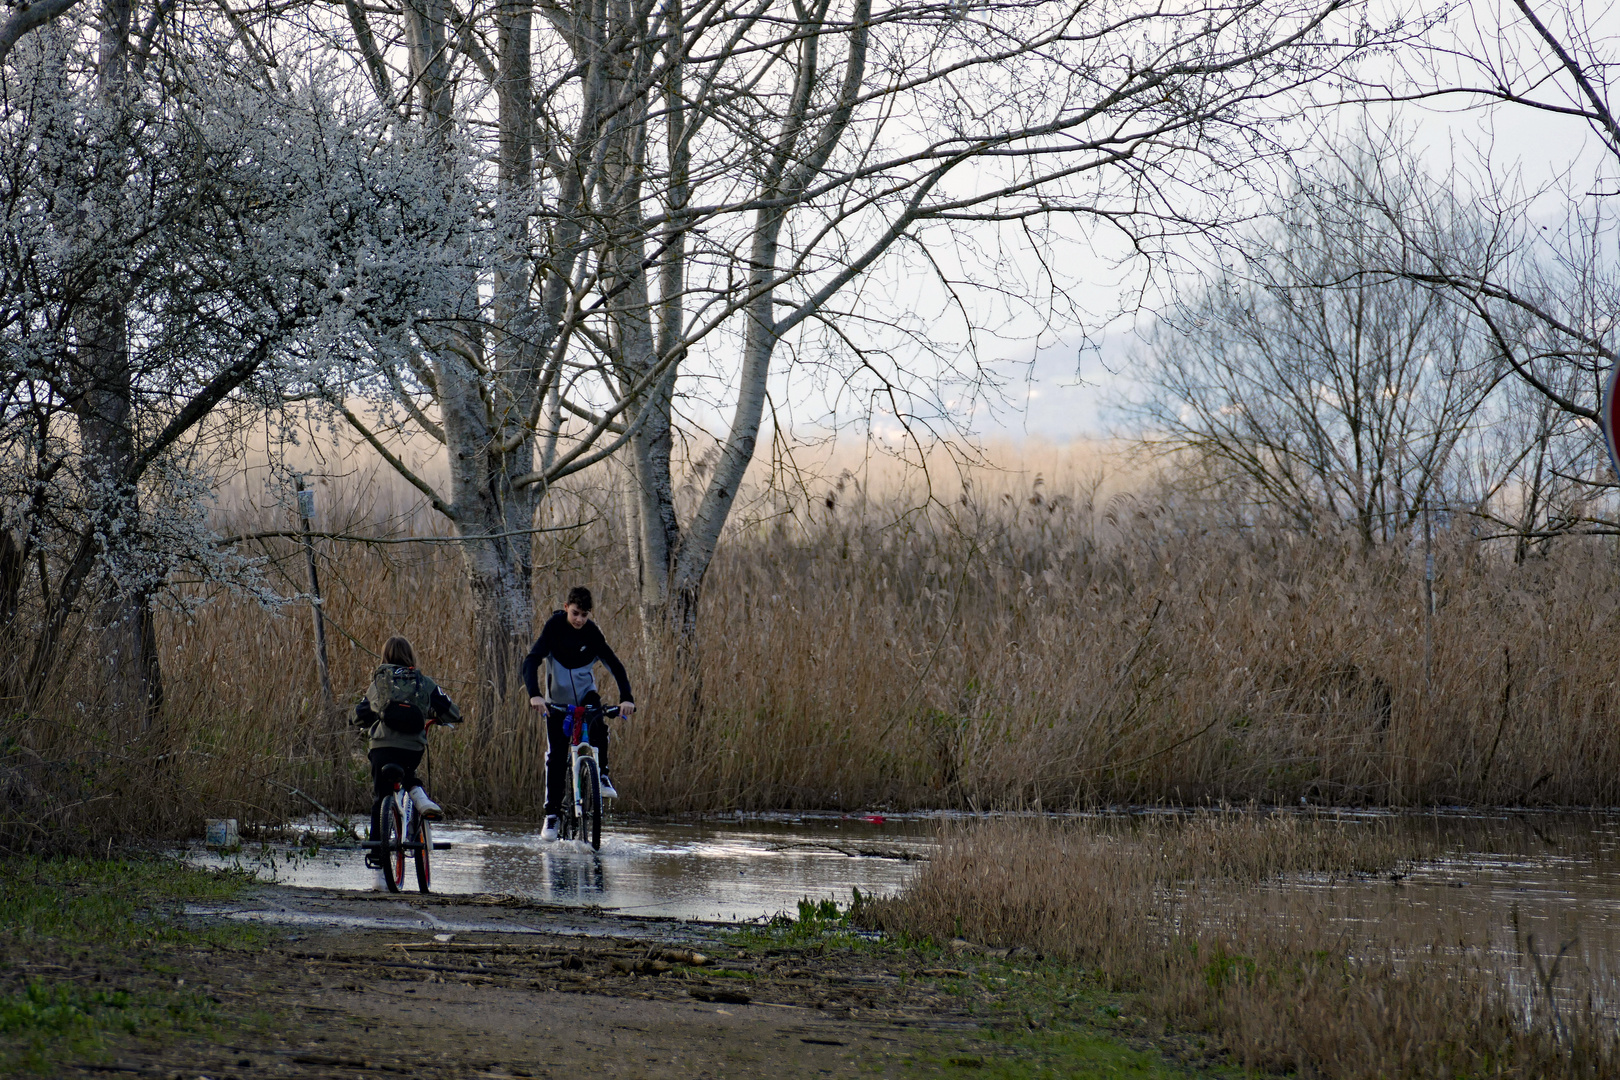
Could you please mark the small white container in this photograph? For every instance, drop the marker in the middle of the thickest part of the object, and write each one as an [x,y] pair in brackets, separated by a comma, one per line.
[221,833]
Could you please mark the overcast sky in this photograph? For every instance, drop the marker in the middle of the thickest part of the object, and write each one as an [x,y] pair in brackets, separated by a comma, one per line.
[1059,392]
[1058,382]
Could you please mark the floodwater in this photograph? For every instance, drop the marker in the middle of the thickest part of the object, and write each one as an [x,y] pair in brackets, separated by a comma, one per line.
[725,870]
[1509,885]
[1534,896]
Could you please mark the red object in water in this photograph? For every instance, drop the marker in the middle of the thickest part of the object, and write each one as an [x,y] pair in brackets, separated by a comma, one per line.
[872,819]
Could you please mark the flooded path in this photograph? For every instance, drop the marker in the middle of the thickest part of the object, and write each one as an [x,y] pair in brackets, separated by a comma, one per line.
[710,869]
[1521,904]
[1503,878]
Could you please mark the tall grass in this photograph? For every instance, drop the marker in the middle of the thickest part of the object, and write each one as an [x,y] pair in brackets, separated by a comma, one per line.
[1014,641]
[1195,918]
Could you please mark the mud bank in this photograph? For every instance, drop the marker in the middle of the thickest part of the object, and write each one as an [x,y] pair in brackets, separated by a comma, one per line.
[356,985]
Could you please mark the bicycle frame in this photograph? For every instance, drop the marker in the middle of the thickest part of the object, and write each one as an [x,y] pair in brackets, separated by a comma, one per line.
[415,837]
[580,751]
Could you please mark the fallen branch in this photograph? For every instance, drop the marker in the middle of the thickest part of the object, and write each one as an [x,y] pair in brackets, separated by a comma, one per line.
[298,534]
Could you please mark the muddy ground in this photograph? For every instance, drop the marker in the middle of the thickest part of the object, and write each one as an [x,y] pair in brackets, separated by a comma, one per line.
[346,985]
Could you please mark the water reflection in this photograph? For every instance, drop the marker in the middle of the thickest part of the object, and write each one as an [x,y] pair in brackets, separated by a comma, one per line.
[1531,900]
[1506,884]
[574,877]
[696,869]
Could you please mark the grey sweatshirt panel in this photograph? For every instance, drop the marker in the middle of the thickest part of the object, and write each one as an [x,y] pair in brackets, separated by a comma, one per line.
[568,686]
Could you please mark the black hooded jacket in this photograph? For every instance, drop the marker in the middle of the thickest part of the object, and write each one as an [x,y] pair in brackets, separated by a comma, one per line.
[573,652]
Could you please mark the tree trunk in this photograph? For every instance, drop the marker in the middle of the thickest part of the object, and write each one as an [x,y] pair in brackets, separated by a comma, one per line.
[475,428]
[13,570]
[128,675]
[500,575]
[673,560]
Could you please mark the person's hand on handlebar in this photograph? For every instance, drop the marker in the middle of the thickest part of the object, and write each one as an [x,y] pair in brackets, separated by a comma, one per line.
[627,709]
[537,702]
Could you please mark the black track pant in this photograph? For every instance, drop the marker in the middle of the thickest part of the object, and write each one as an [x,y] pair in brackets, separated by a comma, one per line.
[557,757]
[390,755]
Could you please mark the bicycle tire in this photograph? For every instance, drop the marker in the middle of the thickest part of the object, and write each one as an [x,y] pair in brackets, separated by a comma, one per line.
[590,802]
[424,836]
[393,850]
[568,821]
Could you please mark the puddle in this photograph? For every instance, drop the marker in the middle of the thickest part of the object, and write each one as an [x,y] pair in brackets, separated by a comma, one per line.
[1510,884]
[1555,875]
[708,869]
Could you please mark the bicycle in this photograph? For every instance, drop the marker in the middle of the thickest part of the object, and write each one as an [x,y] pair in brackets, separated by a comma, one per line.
[404,833]
[581,817]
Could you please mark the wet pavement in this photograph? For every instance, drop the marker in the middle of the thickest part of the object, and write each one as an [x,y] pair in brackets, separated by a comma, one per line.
[1511,883]
[720,870]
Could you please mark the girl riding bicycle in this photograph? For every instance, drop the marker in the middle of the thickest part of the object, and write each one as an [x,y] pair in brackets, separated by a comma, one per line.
[405,700]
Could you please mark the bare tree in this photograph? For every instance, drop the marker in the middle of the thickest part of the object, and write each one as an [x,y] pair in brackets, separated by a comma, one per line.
[655,196]
[1541,280]
[1342,398]
[668,192]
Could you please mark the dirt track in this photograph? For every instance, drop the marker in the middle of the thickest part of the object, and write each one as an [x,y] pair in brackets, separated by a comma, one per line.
[377,986]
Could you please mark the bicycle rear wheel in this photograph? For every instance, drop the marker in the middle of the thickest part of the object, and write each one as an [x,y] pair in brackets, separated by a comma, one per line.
[393,849]
[421,834]
[590,803]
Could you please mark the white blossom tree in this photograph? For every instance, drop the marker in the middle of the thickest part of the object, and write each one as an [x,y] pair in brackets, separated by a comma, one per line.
[178,244]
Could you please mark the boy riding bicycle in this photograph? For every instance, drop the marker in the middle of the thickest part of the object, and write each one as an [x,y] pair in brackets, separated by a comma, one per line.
[405,700]
[569,645]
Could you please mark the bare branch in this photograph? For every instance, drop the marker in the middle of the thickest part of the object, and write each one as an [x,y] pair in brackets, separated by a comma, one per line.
[29,17]
[393,460]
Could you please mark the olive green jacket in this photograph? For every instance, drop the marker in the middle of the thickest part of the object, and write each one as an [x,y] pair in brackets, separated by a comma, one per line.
[423,693]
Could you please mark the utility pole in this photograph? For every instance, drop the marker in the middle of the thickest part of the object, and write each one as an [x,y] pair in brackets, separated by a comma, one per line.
[1428,602]
[306,510]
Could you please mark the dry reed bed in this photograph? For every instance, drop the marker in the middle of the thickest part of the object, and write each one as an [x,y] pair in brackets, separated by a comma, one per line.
[1320,982]
[1014,647]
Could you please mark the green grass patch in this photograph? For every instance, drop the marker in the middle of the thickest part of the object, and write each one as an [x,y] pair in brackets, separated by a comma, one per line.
[820,924]
[729,973]
[1042,1018]
[48,1023]
[1054,1055]
[112,903]
[112,919]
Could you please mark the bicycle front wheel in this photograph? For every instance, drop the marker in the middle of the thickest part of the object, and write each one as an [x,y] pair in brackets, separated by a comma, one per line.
[393,849]
[568,823]
[590,804]
[423,836]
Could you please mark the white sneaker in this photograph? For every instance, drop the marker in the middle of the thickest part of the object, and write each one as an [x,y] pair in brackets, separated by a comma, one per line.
[426,806]
[608,790]
[379,883]
[549,833]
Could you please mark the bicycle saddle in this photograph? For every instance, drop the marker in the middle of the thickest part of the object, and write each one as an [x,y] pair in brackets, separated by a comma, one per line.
[393,774]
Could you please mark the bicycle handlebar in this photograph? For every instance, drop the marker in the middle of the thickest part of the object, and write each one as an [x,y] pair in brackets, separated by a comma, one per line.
[561,710]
